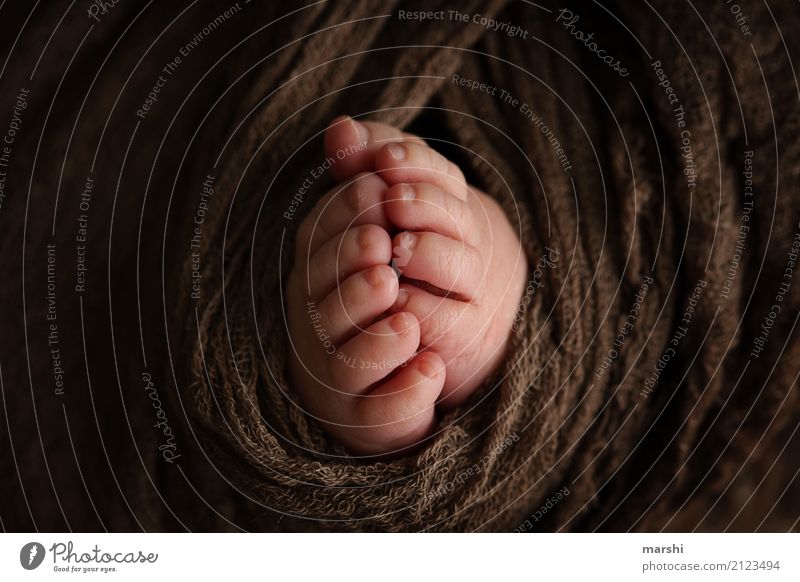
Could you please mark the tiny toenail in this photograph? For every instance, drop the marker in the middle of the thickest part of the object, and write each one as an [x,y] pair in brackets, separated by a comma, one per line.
[407,240]
[374,277]
[355,198]
[364,238]
[405,245]
[363,132]
[428,368]
[397,151]
[402,298]
[407,192]
[399,323]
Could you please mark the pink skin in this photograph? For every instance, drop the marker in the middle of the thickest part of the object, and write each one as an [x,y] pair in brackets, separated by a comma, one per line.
[374,357]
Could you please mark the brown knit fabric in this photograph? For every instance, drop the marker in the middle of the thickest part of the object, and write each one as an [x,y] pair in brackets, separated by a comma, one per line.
[640,391]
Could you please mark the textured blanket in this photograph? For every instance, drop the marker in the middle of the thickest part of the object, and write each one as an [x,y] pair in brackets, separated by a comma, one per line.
[162,157]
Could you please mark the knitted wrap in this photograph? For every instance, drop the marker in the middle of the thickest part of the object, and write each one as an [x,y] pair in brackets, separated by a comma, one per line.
[650,172]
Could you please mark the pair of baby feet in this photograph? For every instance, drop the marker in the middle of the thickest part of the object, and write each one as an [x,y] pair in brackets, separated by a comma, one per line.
[403,291]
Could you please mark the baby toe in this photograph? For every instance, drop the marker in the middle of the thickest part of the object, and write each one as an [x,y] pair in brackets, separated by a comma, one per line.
[452,266]
[408,162]
[356,202]
[352,144]
[401,412]
[357,302]
[374,353]
[427,207]
[347,253]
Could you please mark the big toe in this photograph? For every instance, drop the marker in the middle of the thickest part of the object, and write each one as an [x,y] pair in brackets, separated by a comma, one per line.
[400,413]
[346,143]
[352,145]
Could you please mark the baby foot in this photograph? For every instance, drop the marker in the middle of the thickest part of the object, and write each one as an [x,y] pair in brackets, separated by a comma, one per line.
[373,355]
[355,367]
[461,264]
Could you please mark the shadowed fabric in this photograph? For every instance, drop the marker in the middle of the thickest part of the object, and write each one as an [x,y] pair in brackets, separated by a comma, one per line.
[631,379]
